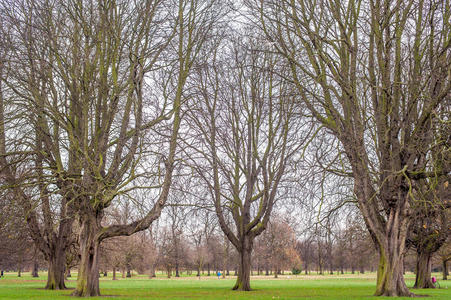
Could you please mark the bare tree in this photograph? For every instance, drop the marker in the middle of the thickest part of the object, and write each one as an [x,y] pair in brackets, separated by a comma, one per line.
[373,73]
[21,140]
[106,73]
[243,122]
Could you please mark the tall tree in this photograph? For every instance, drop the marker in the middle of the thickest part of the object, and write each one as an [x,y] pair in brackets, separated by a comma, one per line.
[244,128]
[111,78]
[21,139]
[431,226]
[373,72]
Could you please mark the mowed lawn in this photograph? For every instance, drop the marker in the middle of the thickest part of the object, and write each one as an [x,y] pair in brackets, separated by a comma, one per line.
[265,287]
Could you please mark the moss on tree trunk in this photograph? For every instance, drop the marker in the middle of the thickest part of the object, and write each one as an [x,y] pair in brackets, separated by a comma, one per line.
[55,277]
[390,280]
[243,281]
[423,275]
[88,271]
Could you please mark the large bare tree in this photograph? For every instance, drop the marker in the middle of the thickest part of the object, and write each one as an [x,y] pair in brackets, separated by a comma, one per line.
[48,217]
[245,136]
[106,81]
[373,72]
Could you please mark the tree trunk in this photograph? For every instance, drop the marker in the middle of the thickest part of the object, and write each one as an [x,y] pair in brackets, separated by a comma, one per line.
[177,273]
[129,274]
[34,273]
[114,273]
[423,272]
[55,277]
[243,279]
[88,270]
[67,273]
[445,269]
[390,281]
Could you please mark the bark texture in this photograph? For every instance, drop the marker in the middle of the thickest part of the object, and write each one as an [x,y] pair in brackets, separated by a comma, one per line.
[423,278]
[88,270]
[243,281]
[390,279]
[55,277]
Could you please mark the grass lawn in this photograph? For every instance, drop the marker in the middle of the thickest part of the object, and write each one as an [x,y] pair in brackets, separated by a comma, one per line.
[359,286]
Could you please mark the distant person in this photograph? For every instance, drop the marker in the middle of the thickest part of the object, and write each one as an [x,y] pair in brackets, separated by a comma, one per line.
[219,274]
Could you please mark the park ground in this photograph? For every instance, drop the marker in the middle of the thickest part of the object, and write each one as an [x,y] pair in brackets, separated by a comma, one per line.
[347,286]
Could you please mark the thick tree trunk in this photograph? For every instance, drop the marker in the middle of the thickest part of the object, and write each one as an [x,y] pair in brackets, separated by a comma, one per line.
[423,272]
[243,279]
[55,277]
[88,270]
[390,281]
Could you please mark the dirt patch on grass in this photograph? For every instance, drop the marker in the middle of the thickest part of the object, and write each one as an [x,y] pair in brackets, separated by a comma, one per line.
[20,281]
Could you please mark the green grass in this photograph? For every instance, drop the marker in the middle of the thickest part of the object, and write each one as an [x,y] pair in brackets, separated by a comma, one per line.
[286,287]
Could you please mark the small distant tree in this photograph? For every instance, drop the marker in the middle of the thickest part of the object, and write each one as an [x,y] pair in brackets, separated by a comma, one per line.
[279,244]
